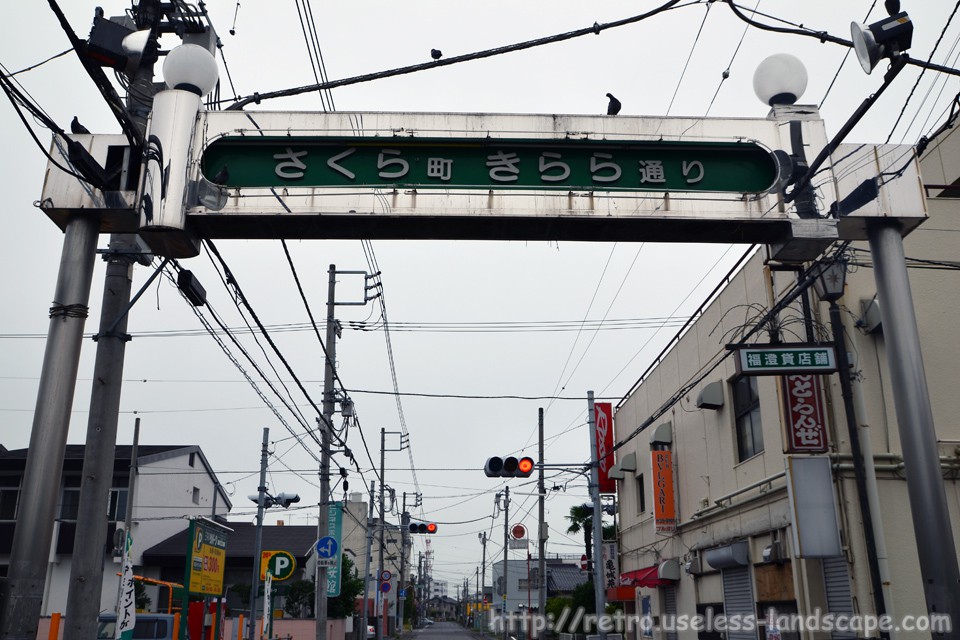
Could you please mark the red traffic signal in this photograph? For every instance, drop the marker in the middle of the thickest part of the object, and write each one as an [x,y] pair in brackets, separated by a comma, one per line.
[423,527]
[509,467]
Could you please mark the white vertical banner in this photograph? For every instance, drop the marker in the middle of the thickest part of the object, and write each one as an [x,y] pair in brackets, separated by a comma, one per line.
[127,602]
[267,606]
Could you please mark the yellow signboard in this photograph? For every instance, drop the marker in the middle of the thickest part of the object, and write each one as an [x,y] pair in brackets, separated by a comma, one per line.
[206,559]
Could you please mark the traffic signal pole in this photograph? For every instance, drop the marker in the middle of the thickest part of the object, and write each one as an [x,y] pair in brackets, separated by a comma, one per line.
[506,548]
[258,542]
[542,528]
[383,490]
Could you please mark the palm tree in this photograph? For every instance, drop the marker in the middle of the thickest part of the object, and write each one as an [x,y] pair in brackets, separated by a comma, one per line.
[581,519]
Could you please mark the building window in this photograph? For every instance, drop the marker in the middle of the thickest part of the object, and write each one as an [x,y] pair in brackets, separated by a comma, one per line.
[196,495]
[70,504]
[641,495]
[746,411]
[9,493]
[193,458]
[117,509]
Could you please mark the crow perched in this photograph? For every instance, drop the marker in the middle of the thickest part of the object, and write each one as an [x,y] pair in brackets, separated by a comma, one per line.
[222,177]
[76,127]
[436,54]
[613,108]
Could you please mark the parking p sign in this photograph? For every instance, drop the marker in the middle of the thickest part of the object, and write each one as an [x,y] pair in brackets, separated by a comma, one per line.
[280,563]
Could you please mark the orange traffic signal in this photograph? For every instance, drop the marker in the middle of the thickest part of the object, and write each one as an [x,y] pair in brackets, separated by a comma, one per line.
[423,527]
[509,467]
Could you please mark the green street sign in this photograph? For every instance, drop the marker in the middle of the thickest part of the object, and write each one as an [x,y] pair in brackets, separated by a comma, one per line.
[786,359]
[335,531]
[489,164]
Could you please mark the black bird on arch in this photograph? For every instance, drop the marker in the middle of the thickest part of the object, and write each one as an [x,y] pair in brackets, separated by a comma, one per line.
[613,108]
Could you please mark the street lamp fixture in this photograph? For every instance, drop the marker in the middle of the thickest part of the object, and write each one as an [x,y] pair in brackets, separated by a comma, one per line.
[886,38]
[780,79]
[830,281]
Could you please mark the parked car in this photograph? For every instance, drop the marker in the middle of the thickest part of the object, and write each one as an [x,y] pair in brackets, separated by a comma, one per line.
[427,622]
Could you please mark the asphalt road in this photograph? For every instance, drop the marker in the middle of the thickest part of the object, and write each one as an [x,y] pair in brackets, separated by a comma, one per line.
[444,630]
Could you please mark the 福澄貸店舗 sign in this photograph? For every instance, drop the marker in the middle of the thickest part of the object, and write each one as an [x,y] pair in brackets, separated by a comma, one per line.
[784,359]
[488,163]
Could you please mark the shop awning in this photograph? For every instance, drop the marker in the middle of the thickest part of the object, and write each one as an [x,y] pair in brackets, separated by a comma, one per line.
[653,576]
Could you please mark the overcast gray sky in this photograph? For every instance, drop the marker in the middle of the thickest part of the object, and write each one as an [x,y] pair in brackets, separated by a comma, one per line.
[187,392]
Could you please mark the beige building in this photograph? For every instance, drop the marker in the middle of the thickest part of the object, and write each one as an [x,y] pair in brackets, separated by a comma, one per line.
[739,533]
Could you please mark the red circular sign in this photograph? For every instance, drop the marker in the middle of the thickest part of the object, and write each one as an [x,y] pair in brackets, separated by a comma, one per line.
[518,532]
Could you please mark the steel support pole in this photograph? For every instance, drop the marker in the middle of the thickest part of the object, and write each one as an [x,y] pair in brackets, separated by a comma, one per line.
[598,591]
[33,534]
[258,541]
[329,376]
[918,439]
[483,567]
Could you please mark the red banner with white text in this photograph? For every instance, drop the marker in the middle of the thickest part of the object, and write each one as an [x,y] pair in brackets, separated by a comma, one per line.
[603,419]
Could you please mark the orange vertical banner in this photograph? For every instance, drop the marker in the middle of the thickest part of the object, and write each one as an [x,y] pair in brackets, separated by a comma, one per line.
[664,507]
[54,632]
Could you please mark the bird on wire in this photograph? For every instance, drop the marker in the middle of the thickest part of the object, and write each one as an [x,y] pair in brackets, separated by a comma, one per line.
[76,127]
[613,107]
[436,54]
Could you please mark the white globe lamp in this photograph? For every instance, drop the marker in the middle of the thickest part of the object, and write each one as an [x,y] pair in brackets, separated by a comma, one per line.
[190,67]
[780,79]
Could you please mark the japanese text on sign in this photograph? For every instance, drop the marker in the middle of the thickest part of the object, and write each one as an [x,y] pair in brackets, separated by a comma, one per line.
[487,163]
[805,416]
[775,360]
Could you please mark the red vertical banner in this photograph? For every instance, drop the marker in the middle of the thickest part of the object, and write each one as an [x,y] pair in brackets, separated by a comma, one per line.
[664,507]
[603,421]
[805,417]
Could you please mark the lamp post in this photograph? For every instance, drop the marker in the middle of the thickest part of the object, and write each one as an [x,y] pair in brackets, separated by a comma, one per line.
[829,285]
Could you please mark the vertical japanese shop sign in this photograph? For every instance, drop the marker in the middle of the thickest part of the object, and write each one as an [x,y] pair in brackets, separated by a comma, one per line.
[335,531]
[206,559]
[603,418]
[664,508]
[611,565]
[805,418]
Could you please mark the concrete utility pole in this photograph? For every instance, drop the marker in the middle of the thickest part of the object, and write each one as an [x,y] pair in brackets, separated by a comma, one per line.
[542,527]
[366,561]
[255,577]
[382,525]
[598,590]
[86,568]
[483,564]
[329,376]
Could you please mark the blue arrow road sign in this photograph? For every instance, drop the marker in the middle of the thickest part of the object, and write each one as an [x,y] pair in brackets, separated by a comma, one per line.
[327,547]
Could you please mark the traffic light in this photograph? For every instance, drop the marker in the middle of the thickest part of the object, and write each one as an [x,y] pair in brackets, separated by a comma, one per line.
[423,527]
[509,467]
[286,499]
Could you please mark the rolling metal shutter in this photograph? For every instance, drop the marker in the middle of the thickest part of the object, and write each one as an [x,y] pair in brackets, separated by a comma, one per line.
[738,600]
[836,584]
[670,609]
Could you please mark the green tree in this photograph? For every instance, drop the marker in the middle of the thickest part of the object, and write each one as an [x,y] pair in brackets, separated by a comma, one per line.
[350,587]
[581,521]
[299,598]
[554,609]
[140,595]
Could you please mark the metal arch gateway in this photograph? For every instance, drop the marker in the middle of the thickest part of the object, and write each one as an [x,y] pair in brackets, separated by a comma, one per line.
[377,175]
[172,205]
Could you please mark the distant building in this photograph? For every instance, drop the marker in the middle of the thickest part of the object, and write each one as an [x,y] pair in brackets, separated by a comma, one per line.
[174,482]
[522,588]
[438,588]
